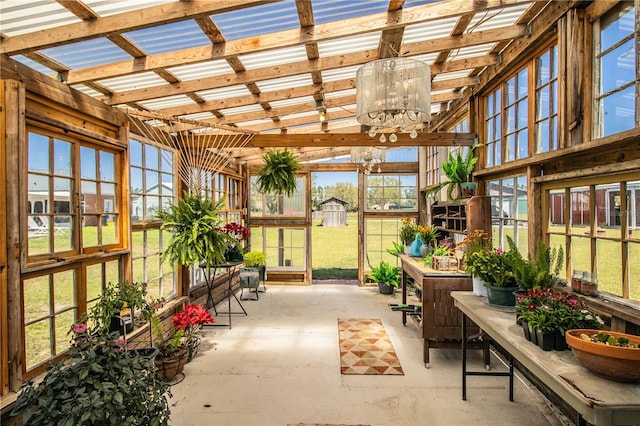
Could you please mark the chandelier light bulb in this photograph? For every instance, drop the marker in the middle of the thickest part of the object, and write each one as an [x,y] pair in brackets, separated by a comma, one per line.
[383,138]
[413,134]
[372,132]
[393,137]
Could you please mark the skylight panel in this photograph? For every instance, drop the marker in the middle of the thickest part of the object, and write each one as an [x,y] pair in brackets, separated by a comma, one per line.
[471,51]
[33,64]
[133,82]
[427,58]
[258,20]
[241,109]
[451,75]
[298,115]
[169,38]
[168,102]
[222,93]
[340,93]
[431,30]
[201,70]
[204,116]
[340,73]
[352,44]
[87,90]
[285,82]
[250,123]
[87,53]
[337,10]
[292,101]
[20,17]
[271,58]
[497,18]
[109,7]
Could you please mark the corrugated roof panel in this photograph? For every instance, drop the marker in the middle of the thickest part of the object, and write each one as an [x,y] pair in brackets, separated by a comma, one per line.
[285,82]
[337,10]
[133,82]
[497,18]
[340,93]
[427,58]
[271,58]
[242,109]
[471,51]
[344,45]
[440,28]
[110,7]
[451,75]
[201,70]
[168,102]
[169,38]
[222,93]
[20,17]
[33,64]
[340,73]
[258,20]
[87,90]
[87,53]
[248,124]
[205,116]
[292,101]
[298,115]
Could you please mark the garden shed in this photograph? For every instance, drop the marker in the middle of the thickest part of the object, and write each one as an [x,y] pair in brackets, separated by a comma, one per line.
[334,212]
[113,113]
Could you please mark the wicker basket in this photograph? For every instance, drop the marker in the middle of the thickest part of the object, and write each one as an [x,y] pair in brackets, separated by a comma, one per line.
[445,263]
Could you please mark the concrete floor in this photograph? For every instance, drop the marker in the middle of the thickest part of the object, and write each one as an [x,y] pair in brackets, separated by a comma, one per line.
[280,365]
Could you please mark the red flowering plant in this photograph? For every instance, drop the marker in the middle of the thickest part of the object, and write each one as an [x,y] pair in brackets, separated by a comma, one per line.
[191,319]
[236,231]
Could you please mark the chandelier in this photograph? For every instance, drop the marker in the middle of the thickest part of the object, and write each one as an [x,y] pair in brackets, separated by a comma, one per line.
[368,156]
[395,94]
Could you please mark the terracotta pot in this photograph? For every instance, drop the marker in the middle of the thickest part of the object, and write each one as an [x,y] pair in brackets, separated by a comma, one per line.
[611,362]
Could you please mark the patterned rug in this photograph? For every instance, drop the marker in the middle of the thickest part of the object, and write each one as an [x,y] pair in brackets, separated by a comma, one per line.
[365,348]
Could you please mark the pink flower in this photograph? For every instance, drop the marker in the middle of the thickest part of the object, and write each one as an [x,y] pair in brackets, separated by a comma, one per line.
[80,328]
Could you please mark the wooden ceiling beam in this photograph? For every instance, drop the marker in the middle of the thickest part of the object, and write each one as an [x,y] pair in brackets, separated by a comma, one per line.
[289,38]
[119,23]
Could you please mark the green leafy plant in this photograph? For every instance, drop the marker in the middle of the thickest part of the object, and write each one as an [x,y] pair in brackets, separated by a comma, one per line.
[100,384]
[407,231]
[427,233]
[277,174]
[458,168]
[386,274]
[196,231]
[115,297]
[397,249]
[167,343]
[255,258]
[492,266]
[538,273]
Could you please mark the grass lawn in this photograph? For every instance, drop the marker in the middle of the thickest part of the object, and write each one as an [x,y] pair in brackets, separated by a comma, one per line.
[334,250]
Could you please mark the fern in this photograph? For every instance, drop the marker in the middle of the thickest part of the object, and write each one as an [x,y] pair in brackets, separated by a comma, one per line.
[536,274]
[277,175]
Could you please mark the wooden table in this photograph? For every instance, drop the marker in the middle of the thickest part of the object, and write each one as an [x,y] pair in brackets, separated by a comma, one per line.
[597,401]
[440,322]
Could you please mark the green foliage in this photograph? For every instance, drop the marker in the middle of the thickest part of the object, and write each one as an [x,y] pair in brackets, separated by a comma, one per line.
[277,174]
[458,168]
[492,266]
[536,274]
[102,384]
[113,299]
[386,274]
[397,249]
[408,231]
[196,233]
[255,258]
[167,344]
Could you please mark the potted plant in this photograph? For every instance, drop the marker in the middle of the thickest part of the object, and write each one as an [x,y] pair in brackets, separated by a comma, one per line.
[100,383]
[190,320]
[387,277]
[277,174]
[476,241]
[458,169]
[538,273]
[117,307]
[427,234]
[196,232]
[254,271]
[172,349]
[494,268]
[407,232]
[238,233]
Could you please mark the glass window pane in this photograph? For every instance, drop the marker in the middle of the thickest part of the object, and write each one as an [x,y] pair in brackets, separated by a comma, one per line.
[109,230]
[542,136]
[167,161]
[64,294]
[136,180]
[88,163]
[151,157]
[580,216]
[616,26]
[39,240]
[62,234]
[37,298]
[37,343]
[89,197]
[609,266]
[63,321]
[135,153]
[107,166]
[580,254]
[95,281]
[38,153]
[619,111]
[634,270]
[151,182]
[557,218]
[61,158]
[543,69]
[90,230]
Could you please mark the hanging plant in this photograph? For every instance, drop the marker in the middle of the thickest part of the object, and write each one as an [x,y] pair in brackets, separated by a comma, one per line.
[277,175]
[197,236]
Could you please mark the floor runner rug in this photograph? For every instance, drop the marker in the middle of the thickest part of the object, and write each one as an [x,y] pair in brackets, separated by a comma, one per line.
[365,348]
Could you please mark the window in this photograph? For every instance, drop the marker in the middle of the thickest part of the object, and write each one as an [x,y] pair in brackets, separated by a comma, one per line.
[285,247]
[506,112]
[617,79]
[598,224]
[263,205]
[509,211]
[391,192]
[379,236]
[152,189]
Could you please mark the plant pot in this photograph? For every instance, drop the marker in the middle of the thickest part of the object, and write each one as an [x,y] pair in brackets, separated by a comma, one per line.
[170,366]
[560,343]
[501,295]
[468,189]
[478,287]
[148,354]
[249,277]
[385,288]
[525,329]
[415,247]
[546,339]
[426,250]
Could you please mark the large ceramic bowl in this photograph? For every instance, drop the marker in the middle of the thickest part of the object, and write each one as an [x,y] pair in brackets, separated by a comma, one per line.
[611,362]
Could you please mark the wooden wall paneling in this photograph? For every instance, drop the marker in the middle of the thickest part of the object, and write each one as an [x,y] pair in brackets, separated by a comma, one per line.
[14,106]
[4,352]
[576,70]
[534,210]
